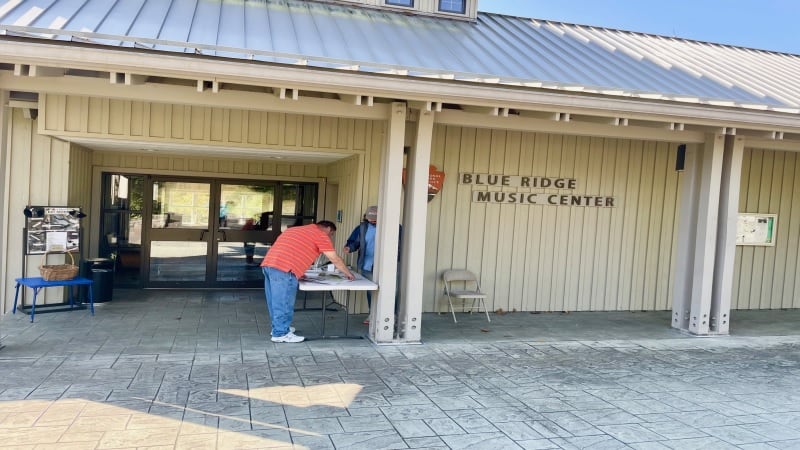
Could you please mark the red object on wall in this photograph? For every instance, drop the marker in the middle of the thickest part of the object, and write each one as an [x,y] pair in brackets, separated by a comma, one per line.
[435,181]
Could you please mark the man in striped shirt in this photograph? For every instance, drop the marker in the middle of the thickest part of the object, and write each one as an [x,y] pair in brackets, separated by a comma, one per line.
[287,261]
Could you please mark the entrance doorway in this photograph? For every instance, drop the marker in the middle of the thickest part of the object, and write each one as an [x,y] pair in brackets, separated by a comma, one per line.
[196,233]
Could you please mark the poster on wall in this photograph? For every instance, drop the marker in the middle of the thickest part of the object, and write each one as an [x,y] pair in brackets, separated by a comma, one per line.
[52,229]
[756,229]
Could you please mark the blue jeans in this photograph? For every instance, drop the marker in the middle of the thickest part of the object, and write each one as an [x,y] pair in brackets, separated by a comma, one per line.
[368,275]
[280,289]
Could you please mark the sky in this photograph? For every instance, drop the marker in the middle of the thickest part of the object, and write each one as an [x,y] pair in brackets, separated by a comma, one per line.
[762,24]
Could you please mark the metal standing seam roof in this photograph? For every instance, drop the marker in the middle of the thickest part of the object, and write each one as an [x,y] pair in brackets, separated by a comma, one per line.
[496,48]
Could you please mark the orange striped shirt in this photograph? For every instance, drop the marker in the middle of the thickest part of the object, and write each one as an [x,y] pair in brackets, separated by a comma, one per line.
[297,248]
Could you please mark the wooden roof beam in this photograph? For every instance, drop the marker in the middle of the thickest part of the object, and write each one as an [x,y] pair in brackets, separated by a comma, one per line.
[676,126]
[773,135]
[32,70]
[284,93]
[603,120]
[30,108]
[134,79]
[548,125]
[428,106]
[263,100]
[357,100]
[39,71]
[128,79]
[542,115]
[204,85]
[485,110]
[498,111]
[351,99]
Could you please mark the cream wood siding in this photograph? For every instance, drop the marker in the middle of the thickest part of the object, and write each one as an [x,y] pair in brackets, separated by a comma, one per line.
[46,170]
[352,197]
[85,117]
[38,171]
[557,258]
[205,166]
[357,178]
[769,277]
[80,189]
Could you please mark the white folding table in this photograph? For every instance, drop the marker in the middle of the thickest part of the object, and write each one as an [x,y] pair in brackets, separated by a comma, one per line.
[308,284]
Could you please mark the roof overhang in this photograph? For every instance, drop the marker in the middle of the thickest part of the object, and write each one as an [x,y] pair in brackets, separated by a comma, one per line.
[47,57]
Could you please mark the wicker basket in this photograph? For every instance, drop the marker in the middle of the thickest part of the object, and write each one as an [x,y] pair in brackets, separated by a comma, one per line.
[58,272]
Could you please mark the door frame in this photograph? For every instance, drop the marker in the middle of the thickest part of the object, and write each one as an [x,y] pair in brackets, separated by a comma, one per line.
[94,245]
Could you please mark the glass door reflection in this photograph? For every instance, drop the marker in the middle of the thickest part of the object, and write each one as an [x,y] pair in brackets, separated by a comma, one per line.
[179,233]
[246,227]
[166,231]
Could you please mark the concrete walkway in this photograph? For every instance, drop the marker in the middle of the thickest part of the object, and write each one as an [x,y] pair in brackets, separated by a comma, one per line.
[192,369]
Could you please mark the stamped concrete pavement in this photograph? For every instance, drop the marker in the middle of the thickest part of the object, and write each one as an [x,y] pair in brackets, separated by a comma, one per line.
[196,370]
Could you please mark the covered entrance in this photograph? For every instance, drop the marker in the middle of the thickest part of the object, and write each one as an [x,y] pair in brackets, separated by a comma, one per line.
[180,232]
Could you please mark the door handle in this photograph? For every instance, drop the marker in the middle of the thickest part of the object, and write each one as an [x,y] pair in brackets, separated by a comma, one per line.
[224,236]
[203,235]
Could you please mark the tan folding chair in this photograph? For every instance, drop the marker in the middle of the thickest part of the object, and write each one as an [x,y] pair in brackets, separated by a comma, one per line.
[466,279]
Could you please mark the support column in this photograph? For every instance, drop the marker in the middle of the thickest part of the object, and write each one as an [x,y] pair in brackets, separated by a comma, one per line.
[697,236]
[416,217]
[382,324]
[726,241]
[5,118]
[687,221]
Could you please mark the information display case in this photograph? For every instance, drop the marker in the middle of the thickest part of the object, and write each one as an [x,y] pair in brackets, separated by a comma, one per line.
[52,229]
[756,229]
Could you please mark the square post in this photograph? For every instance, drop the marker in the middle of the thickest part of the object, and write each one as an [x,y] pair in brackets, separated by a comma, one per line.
[416,216]
[382,323]
[698,237]
[726,241]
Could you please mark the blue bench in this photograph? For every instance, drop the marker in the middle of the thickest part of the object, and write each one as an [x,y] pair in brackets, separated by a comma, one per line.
[39,283]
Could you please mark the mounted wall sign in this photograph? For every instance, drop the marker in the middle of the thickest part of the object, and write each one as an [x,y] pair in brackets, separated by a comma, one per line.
[435,181]
[52,229]
[488,185]
[756,229]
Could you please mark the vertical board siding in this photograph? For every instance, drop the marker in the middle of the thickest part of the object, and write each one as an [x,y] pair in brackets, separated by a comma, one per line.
[351,201]
[670,206]
[588,166]
[21,132]
[767,277]
[528,257]
[81,116]
[518,255]
[432,235]
[80,188]
[556,258]
[39,171]
[790,212]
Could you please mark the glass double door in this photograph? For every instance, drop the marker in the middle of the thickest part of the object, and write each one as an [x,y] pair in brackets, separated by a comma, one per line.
[198,233]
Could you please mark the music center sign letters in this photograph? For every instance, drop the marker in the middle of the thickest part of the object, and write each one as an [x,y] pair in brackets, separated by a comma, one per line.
[530,198]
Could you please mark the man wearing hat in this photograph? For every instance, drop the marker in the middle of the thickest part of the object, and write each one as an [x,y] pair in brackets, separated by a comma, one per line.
[362,239]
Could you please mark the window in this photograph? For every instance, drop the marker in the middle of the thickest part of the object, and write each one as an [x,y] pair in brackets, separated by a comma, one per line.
[453,6]
[408,3]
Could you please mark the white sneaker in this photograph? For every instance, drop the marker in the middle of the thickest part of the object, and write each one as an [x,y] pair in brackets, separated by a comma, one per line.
[291,330]
[288,337]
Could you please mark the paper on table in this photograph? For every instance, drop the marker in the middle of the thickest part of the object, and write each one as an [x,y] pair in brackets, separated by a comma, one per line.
[326,277]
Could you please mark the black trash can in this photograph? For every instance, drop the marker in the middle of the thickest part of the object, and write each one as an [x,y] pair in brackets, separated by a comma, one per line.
[101,272]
